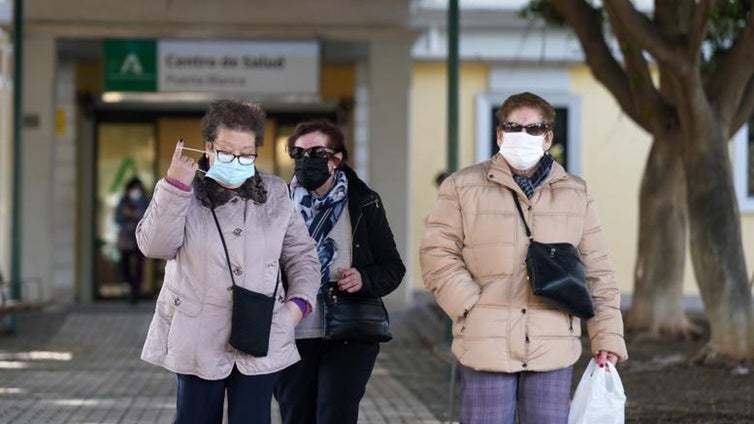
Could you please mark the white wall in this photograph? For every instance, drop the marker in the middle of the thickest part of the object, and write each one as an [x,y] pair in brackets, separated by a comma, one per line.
[389,85]
[38,207]
[291,19]
[64,183]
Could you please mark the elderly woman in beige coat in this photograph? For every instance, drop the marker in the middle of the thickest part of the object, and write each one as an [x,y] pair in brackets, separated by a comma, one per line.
[189,334]
[516,352]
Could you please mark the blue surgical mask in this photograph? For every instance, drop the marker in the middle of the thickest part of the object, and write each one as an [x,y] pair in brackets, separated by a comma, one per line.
[231,174]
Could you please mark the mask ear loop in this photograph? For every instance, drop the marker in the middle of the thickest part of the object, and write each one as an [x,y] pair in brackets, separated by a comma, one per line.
[197,151]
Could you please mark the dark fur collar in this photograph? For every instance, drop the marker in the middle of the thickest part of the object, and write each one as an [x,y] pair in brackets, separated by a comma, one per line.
[211,194]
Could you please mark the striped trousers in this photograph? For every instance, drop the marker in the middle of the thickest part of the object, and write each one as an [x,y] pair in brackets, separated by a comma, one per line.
[497,397]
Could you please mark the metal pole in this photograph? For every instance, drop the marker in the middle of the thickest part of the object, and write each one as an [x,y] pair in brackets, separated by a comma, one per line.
[452,85]
[453,17]
[15,250]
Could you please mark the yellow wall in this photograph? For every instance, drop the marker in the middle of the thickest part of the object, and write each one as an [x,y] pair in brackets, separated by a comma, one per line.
[429,137]
[338,80]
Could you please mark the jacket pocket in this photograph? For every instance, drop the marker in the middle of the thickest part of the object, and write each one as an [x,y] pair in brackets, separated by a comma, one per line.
[281,334]
[184,304]
[185,327]
[486,321]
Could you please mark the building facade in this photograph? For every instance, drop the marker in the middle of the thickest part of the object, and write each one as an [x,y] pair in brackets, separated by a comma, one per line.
[87,131]
[376,68]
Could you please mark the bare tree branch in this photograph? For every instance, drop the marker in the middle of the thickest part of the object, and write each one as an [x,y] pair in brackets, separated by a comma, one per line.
[645,93]
[745,109]
[734,70]
[586,22]
[698,30]
[641,30]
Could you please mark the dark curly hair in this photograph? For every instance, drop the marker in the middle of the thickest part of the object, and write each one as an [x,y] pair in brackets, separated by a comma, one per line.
[233,115]
[335,138]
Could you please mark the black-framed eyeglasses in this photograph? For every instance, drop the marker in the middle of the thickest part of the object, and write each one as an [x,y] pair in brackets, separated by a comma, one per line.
[227,157]
[317,152]
[531,129]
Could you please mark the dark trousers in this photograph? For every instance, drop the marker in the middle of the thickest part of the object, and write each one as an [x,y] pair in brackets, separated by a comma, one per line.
[498,397]
[132,268]
[326,386]
[200,401]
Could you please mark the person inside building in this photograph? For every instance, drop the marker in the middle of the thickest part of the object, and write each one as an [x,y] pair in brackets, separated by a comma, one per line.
[357,254]
[129,211]
[516,352]
[220,224]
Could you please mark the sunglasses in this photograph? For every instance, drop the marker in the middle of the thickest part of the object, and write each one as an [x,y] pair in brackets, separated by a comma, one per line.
[531,129]
[317,152]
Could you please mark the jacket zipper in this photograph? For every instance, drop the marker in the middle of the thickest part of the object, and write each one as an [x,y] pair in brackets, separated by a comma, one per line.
[358,221]
[361,213]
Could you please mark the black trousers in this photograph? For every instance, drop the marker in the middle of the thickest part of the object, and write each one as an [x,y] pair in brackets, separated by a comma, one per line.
[326,386]
[200,401]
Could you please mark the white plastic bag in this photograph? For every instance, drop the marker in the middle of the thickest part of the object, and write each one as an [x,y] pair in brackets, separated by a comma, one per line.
[599,397]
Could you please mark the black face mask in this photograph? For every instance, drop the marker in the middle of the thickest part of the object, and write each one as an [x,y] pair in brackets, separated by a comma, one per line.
[311,173]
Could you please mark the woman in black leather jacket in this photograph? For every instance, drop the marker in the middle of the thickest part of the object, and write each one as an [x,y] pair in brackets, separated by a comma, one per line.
[356,249]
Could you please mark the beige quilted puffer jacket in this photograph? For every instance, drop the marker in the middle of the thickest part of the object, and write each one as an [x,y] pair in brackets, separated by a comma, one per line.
[473,260]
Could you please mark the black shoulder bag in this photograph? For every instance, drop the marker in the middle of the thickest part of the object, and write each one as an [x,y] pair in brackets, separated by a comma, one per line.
[252,313]
[353,317]
[557,274]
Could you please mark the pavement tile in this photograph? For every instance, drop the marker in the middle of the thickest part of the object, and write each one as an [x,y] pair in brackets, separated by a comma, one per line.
[81,365]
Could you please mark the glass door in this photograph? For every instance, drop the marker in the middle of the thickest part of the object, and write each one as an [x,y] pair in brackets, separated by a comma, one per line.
[125,153]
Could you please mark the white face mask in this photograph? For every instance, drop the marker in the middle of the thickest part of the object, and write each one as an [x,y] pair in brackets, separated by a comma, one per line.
[521,150]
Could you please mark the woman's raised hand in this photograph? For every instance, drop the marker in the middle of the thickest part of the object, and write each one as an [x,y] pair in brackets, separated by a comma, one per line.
[182,168]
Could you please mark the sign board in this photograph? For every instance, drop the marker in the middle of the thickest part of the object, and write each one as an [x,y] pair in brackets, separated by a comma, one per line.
[130,65]
[218,66]
[270,67]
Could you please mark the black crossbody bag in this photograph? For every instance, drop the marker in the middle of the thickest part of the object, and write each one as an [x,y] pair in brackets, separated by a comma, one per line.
[557,274]
[252,313]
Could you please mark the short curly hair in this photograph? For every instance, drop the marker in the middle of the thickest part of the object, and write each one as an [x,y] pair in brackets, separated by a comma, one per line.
[233,115]
[526,99]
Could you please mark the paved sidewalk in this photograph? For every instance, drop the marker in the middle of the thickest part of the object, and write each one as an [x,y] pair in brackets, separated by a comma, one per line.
[82,365]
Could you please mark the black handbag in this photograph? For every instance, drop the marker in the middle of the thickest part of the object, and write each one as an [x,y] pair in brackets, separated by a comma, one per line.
[353,317]
[557,274]
[251,317]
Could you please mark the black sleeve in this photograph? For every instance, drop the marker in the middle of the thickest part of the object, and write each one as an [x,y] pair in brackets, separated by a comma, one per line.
[387,270]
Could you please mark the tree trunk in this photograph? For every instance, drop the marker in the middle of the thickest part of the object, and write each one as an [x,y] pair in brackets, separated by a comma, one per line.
[657,309]
[715,241]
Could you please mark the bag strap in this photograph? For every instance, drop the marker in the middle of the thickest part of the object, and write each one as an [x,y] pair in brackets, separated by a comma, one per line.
[521,213]
[227,256]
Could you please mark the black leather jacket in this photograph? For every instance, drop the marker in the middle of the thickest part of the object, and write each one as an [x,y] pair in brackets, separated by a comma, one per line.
[374,253]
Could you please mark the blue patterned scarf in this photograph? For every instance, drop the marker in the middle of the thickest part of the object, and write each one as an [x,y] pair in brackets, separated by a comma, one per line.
[320,215]
[528,184]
